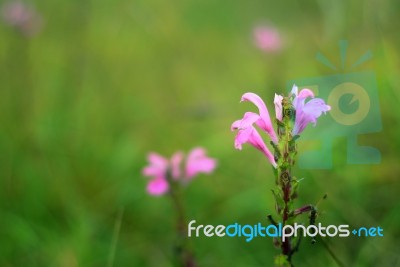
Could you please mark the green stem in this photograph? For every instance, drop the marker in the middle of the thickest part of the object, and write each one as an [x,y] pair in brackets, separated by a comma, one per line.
[183,254]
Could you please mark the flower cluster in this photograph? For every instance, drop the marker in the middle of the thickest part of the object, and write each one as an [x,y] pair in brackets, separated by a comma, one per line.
[163,170]
[305,113]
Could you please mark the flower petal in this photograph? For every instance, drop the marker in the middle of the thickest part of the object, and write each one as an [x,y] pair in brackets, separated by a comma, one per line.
[294,91]
[315,107]
[158,165]
[251,136]
[198,162]
[248,119]
[309,113]
[236,125]
[265,122]
[157,186]
[278,106]
[304,93]
[242,137]
[299,100]
[157,160]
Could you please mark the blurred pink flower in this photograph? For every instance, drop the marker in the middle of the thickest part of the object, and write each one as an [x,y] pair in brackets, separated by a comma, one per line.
[157,168]
[306,112]
[198,162]
[163,171]
[21,16]
[267,38]
[246,131]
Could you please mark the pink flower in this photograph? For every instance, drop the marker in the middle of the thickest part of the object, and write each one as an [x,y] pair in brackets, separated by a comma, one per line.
[246,131]
[21,16]
[306,112]
[267,39]
[163,171]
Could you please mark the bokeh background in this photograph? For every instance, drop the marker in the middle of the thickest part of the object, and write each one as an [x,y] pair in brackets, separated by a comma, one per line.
[88,88]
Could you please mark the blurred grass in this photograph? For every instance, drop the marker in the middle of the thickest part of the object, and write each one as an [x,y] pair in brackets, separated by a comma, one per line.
[103,83]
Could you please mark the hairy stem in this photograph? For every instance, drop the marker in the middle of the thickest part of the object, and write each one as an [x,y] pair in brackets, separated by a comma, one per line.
[285,155]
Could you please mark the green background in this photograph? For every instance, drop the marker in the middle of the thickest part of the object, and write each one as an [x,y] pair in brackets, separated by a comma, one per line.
[104,82]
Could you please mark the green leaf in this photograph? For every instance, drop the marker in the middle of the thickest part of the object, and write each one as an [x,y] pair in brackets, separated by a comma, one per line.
[281,261]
